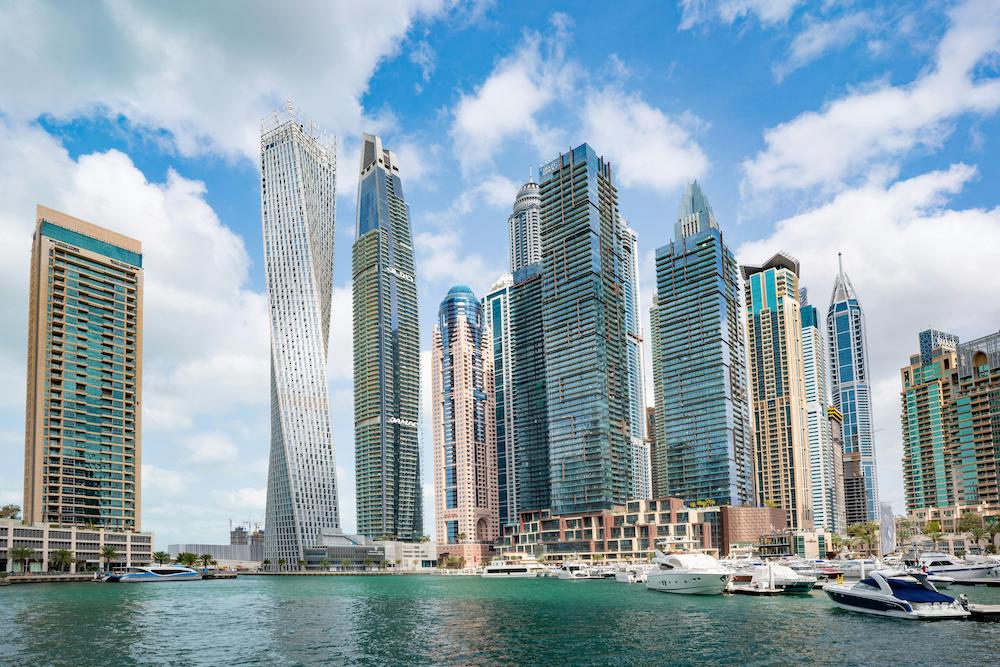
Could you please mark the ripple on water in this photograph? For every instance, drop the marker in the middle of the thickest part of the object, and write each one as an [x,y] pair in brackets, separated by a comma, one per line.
[457,620]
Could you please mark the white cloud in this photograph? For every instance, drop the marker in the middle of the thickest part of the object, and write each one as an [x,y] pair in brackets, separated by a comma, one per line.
[915,263]
[768,12]
[443,261]
[211,448]
[248,499]
[647,148]
[340,359]
[161,482]
[819,37]
[505,106]
[868,127]
[205,74]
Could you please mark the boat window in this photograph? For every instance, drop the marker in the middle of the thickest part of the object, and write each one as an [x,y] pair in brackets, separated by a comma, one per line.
[165,571]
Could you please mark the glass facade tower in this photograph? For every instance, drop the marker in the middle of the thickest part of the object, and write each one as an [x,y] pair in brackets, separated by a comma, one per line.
[583,312]
[641,485]
[703,448]
[777,388]
[524,227]
[849,382]
[386,353]
[297,201]
[82,429]
[496,308]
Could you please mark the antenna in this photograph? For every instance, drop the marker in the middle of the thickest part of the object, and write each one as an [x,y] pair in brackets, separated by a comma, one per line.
[840,262]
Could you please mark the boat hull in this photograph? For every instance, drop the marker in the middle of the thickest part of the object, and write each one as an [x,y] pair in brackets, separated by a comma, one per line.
[150,578]
[688,583]
[891,607]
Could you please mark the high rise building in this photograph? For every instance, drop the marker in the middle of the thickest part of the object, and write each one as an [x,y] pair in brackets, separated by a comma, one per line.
[530,438]
[927,460]
[823,474]
[496,309]
[932,338]
[83,436]
[837,433]
[586,363]
[777,388]
[524,226]
[849,381]
[640,475]
[974,423]
[703,446]
[386,353]
[298,202]
[465,475]
[855,494]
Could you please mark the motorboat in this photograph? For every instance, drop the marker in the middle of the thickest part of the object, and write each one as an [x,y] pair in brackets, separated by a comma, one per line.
[633,574]
[688,573]
[579,571]
[858,568]
[152,573]
[513,568]
[956,568]
[896,594]
[782,577]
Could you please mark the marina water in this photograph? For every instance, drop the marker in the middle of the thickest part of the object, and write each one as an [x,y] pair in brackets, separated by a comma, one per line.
[390,620]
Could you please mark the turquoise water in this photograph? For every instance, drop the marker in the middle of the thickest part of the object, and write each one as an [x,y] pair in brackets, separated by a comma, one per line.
[459,620]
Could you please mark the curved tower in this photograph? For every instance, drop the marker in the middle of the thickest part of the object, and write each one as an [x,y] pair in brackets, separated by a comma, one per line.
[846,341]
[386,353]
[525,227]
[297,203]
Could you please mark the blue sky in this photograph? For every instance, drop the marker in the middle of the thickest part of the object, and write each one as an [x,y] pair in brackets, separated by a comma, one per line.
[868,128]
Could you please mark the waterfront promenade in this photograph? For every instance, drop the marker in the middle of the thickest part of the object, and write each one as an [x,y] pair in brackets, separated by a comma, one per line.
[304,620]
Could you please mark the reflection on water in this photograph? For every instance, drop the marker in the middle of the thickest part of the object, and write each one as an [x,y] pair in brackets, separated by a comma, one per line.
[455,620]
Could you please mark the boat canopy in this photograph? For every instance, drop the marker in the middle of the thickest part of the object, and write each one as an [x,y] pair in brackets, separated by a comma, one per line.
[911,591]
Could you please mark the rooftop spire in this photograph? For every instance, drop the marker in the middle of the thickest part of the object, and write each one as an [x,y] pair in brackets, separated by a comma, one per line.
[694,213]
[843,290]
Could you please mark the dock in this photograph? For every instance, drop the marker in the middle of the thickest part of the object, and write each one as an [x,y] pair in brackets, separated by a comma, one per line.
[49,578]
[985,612]
[981,581]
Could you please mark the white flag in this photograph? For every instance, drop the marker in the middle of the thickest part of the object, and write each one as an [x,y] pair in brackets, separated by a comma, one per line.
[888,529]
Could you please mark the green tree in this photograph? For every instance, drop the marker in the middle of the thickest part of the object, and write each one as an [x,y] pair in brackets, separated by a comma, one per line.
[368,563]
[935,536]
[865,534]
[187,559]
[281,564]
[904,530]
[10,512]
[932,527]
[266,563]
[461,537]
[108,553]
[24,555]
[978,533]
[969,521]
[161,557]
[61,559]
[206,560]
[325,563]
[345,564]
[423,539]
[302,564]
[993,529]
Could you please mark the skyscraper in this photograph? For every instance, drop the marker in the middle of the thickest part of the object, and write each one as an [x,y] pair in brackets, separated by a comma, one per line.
[531,418]
[703,447]
[83,437]
[297,202]
[823,474]
[496,309]
[640,475]
[524,226]
[386,353]
[927,458]
[583,313]
[849,382]
[974,422]
[465,475]
[777,388]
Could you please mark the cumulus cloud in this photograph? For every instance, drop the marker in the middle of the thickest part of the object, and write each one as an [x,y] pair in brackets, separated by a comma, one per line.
[507,103]
[883,122]
[768,12]
[204,74]
[647,148]
[901,243]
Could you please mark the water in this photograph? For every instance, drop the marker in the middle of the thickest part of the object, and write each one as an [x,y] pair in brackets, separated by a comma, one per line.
[459,620]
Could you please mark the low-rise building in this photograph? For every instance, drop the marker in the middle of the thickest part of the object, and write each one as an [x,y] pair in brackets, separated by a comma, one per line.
[338,550]
[227,556]
[409,556]
[84,543]
[787,543]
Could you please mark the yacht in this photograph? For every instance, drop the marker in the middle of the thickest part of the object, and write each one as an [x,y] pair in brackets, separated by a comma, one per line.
[578,571]
[633,574]
[153,573]
[895,594]
[514,568]
[782,577]
[949,566]
[688,573]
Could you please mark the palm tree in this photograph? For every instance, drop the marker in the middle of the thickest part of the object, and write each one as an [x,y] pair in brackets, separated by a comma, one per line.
[993,529]
[23,554]
[107,553]
[187,559]
[864,534]
[368,563]
[266,563]
[161,557]
[344,564]
[302,565]
[968,521]
[325,563]
[281,564]
[61,559]
[837,543]
[935,535]
[206,560]
[978,533]
[10,511]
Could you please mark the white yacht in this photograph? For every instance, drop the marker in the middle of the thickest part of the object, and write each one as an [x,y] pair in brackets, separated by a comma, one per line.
[782,577]
[514,568]
[635,573]
[688,573]
[152,573]
[949,566]
[895,594]
[578,571]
